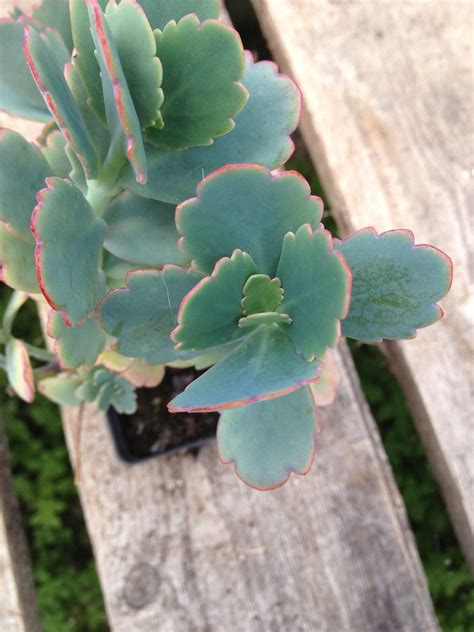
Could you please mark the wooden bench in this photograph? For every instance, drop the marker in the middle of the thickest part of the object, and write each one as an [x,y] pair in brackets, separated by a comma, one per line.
[181,545]
[387,119]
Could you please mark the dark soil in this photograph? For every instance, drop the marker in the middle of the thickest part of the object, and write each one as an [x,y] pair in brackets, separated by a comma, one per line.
[152,430]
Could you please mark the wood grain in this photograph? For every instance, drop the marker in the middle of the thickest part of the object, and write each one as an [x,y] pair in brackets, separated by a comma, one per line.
[18,607]
[388,97]
[182,545]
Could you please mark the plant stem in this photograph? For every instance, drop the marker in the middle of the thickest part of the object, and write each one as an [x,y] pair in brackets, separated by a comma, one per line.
[40,354]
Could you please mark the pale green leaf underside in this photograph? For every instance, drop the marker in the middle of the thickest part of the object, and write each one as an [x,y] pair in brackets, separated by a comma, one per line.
[160,12]
[202,64]
[395,285]
[142,231]
[261,136]
[55,14]
[69,240]
[61,390]
[143,315]
[79,345]
[136,48]
[210,314]
[264,365]
[18,92]
[316,286]
[19,371]
[17,262]
[54,152]
[236,206]
[269,440]
[22,174]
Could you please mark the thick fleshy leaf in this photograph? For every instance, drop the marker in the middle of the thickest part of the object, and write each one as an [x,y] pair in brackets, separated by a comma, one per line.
[69,239]
[160,12]
[144,375]
[143,315]
[268,441]
[19,371]
[264,365]
[17,262]
[50,80]
[116,270]
[317,284]
[261,294]
[238,204]
[18,92]
[76,346]
[209,315]
[261,136]
[55,14]
[85,59]
[108,389]
[202,66]
[23,170]
[54,151]
[119,108]
[61,390]
[142,231]
[396,284]
[136,47]
[324,389]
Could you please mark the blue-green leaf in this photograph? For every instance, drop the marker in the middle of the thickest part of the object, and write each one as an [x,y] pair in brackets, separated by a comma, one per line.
[237,205]
[316,284]
[143,231]
[264,365]
[395,284]
[78,345]
[261,136]
[143,315]
[17,262]
[69,239]
[269,440]
[160,12]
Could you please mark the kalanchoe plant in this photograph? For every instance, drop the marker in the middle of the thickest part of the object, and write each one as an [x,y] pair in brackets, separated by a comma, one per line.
[143,102]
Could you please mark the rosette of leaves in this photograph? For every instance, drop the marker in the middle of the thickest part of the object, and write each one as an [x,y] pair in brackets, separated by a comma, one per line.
[141,101]
[268,294]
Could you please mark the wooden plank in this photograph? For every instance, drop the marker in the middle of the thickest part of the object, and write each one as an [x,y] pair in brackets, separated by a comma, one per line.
[18,607]
[388,96]
[181,544]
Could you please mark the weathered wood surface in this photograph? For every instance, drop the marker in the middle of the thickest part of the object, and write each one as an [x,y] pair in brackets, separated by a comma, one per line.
[18,607]
[388,97]
[181,545]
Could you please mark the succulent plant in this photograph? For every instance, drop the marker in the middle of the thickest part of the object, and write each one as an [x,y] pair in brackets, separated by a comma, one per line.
[144,103]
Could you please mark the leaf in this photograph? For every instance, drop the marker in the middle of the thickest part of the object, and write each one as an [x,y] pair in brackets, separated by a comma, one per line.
[116,269]
[269,440]
[202,66]
[238,204]
[114,361]
[160,12]
[76,346]
[15,302]
[143,375]
[264,365]
[54,152]
[23,170]
[136,47]
[142,231]
[55,14]
[85,59]
[19,371]
[324,390]
[50,80]
[261,294]
[142,315]
[121,115]
[69,239]
[61,390]
[317,285]
[18,92]
[395,285]
[261,136]
[209,315]
[17,262]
